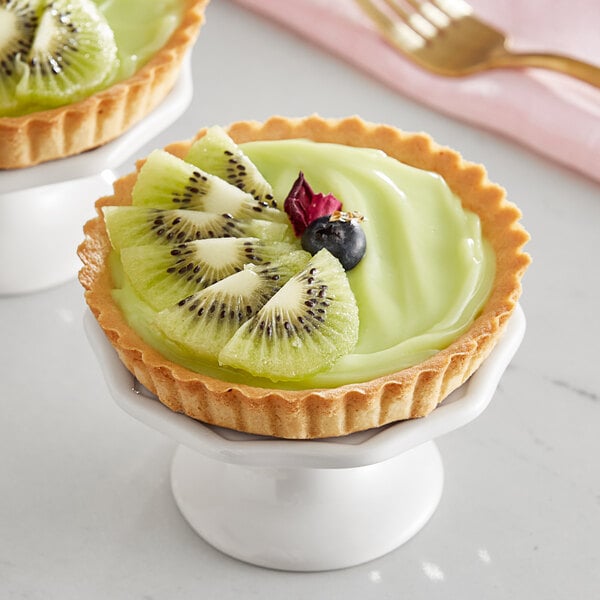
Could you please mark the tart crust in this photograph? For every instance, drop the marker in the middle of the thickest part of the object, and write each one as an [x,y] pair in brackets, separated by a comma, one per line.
[409,393]
[46,135]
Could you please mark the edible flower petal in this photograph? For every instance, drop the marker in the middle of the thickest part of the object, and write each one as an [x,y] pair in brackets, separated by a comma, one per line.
[303,206]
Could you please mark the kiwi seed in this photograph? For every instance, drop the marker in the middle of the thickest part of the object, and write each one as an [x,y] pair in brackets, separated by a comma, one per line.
[60,51]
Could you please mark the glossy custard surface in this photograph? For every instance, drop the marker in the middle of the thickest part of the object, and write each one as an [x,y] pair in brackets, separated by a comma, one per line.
[141,28]
[425,276]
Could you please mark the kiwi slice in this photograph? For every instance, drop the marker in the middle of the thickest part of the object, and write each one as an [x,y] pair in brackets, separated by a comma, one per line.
[72,54]
[166,181]
[163,275]
[218,154]
[139,225]
[204,322]
[304,328]
[18,21]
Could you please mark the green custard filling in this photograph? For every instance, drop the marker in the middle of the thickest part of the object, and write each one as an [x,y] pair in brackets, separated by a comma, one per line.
[425,277]
[141,28]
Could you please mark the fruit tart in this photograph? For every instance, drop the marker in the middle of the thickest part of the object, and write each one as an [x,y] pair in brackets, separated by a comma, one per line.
[303,278]
[75,74]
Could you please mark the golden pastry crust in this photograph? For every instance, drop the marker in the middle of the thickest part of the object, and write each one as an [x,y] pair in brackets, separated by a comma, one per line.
[67,130]
[412,392]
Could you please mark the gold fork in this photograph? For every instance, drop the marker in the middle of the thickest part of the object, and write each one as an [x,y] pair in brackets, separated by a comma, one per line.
[443,36]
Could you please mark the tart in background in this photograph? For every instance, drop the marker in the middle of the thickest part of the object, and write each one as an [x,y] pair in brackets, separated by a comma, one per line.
[323,412]
[95,117]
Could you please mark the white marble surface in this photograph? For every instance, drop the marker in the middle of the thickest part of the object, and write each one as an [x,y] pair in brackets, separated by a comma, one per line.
[86,509]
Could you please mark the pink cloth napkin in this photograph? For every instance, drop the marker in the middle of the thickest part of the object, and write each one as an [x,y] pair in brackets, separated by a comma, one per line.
[552,114]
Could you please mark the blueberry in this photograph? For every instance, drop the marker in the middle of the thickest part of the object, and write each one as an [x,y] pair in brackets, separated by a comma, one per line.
[345,239]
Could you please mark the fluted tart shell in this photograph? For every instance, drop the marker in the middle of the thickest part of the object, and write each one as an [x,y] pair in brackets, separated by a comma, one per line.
[317,413]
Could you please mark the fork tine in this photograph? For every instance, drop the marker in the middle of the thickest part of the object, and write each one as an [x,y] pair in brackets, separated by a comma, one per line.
[454,9]
[400,33]
[437,17]
[417,22]
[381,19]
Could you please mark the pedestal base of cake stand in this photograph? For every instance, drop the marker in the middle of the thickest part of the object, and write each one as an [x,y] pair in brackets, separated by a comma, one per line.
[307,519]
[43,208]
[308,505]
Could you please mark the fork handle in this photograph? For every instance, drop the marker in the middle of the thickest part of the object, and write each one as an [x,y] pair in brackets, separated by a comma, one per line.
[554,62]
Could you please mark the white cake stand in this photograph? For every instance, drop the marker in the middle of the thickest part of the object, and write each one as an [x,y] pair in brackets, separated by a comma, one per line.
[308,505]
[43,208]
